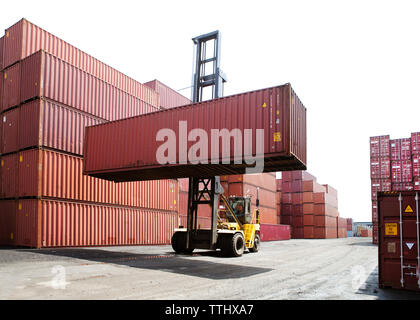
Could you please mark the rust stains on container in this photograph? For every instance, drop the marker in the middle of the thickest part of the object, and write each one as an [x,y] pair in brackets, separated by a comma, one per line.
[169,98]
[399,233]
[24,39]
[126,150]
[64,83]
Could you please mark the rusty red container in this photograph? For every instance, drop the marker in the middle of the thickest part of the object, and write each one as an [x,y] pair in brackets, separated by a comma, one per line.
[415,143]
[400,149]
[297,210]
[416,183]
[302,175]
[11,87]
[274,232]
[64,83]
[416,165]
[406,186]
[51,223]
[126,150]
[265,181]
[399,233]
[286,209]
[267,197]
[287,187]
[298,232]
[168,97]
[297,186]
[24,39]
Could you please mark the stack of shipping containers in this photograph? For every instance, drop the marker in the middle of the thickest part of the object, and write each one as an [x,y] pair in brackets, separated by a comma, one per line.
[309,208]
[394,166]
[49,92]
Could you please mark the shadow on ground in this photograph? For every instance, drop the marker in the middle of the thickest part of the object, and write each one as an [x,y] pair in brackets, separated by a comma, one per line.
[364,244]
[169,262]
[370,287]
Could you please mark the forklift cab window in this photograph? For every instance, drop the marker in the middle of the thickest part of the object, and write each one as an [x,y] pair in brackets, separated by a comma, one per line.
[241,207]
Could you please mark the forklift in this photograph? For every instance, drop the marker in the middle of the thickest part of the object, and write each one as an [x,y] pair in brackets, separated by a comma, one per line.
[233,225]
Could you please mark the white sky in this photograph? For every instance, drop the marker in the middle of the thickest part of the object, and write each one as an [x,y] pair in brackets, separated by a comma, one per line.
[354,64]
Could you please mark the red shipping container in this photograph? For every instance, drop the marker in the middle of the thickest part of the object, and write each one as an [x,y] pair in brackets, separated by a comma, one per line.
[415,143]
[44,173]
[374,211]
[406,186]
[308,208]
[297,233]
[308,232]
[297,209]
[272,232]
[402,171]
[287,187]
[379,146]
[406,149]
[416,165]
[203,223]
[268,215]
[1,55]
[297,186]
[7,222]
[267,198]
[416,183]
[50,223]
[297,198]
[380,168]
[49,124]
[262,180]
[8,174]
[169,98]
[308,220]
[325,209]
[10,129]
[287,198]
[322,198]
[11,87]
[298,221]
[287,220]
[325,221]
[287,176]
[308,197]
[312,186]
[128,144]
[378,185]
[302,175]
[279,184]
[24,39]
[325,233]
[286,209]
[83,91]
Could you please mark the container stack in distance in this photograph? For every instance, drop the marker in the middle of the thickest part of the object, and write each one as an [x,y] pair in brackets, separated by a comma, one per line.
[49,92]
[349,227]
[394,166]
[310,208]
[242,185]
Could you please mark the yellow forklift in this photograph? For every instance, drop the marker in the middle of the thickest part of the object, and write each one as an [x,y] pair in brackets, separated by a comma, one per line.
[237,228]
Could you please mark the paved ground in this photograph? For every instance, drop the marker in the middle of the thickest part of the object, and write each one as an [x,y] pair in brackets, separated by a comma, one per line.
[295,269]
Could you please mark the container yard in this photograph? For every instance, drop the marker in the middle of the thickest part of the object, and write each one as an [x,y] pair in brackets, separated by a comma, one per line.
[117,188]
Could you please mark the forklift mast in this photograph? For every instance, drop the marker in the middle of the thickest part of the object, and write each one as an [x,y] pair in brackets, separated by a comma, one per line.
[205,190]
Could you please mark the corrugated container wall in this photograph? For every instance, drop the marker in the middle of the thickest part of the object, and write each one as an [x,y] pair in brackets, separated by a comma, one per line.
[1,53]
[64,83]
[133,147]
[24,39]
[49,223]
[168,97]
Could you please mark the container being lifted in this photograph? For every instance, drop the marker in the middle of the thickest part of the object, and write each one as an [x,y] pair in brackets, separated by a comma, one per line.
[129,149]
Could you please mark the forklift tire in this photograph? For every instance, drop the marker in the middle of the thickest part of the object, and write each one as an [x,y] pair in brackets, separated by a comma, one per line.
[179,242]
[257,244]
[234,245]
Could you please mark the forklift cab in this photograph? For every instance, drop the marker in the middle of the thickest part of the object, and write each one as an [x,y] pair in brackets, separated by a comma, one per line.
[242,209]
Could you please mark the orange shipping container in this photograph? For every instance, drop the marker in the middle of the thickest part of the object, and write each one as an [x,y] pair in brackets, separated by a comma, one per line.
[44,173]
[309,232]
[48,223]
[312,186]
[325,209]
[322,197]
[263,180]
[308,220]
[325,233]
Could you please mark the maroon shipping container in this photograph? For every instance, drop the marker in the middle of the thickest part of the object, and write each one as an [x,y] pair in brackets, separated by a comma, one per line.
[50,223]
[265,181]
[297,186]
[9,131]
[169,98]
[1,54]
[7,222]
[416,183]
[64,83]
[286,209]
[400,149]
[401,171]
[380,168]
[416,165]
[415,143]
[127,150]
[302,175]
[378,185]
[374,211]
[11,87]
[399,233]
[274,232]
[406,186]
[298,233]
[24,39]
[287,187]
[379,146]
[8,177]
